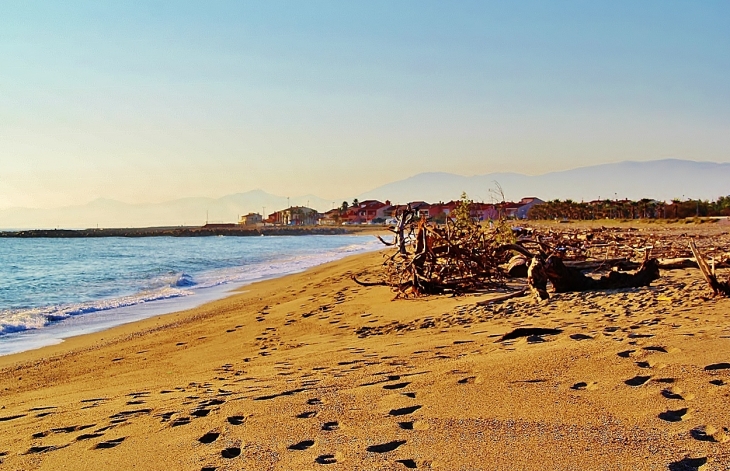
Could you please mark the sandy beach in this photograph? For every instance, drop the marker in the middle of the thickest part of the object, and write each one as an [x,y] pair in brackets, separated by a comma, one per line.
[311,371]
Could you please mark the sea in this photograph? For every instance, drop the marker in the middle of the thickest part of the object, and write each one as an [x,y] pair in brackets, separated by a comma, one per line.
[52,289]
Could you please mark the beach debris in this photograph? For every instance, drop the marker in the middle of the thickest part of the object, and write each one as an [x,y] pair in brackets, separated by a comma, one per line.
[565,279]
[456,257]
[563,258]
[462,255]
[718,287]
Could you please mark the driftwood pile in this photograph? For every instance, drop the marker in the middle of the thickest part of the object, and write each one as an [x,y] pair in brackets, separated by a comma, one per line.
[432,259]
[458,257]
[615,243]
[565,273]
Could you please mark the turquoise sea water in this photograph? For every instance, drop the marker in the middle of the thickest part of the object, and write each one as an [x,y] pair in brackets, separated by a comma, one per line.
[72,286]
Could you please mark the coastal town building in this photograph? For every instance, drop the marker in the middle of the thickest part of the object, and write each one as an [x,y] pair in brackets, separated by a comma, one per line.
[333,217]
[367,211]
[251,219]
[525,205]
[378,212]
[294,216]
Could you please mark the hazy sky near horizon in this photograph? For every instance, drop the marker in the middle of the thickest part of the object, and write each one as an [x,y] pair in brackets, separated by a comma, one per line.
[151,101]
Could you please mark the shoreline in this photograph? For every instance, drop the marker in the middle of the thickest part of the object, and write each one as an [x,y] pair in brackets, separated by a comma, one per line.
[158,321]
[59,332]
[102,319]
[191,231]
[310,371]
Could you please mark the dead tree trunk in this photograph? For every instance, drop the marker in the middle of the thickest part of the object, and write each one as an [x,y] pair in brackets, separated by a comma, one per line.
[718,287]
[537,278]
[565,279]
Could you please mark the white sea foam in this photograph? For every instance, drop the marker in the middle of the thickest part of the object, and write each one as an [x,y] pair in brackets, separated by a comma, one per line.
[17,320]
[175,285]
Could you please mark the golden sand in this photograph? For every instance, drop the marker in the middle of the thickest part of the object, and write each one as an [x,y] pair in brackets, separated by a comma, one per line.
[312,372]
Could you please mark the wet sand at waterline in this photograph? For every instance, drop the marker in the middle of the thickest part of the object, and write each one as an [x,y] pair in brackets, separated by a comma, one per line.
[313,372]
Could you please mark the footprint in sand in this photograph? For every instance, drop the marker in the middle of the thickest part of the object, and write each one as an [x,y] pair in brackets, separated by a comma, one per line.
[717,366]
[330,426]
[303,445]
[634,335]
[677,393]
[325,459]
[581,337]
[211,402]
[585,386]
[231,452]
[637,380]
[209,437]
[708,433]
[72,428]
[417,425]
[11,417]
[180,421]
[41,449]
[404,410]
[470,380]
[675,415]
[130,413]
[109,443]
[385,447]
[528,332]
[651,364]
[396,385]
[236,419]
[688,464]
[410,464]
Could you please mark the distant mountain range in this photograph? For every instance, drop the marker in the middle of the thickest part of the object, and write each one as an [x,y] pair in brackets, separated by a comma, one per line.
[659,179]
[184,211]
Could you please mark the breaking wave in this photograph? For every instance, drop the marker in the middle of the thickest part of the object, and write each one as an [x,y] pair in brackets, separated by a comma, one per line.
[143,282]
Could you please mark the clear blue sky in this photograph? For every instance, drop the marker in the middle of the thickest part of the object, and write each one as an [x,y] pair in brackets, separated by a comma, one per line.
[150,101]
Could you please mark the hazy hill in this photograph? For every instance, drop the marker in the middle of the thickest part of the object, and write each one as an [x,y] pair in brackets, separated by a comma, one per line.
[184,211]
[658,179]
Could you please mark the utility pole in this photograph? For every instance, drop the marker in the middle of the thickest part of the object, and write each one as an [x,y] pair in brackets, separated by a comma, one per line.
[287,202]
